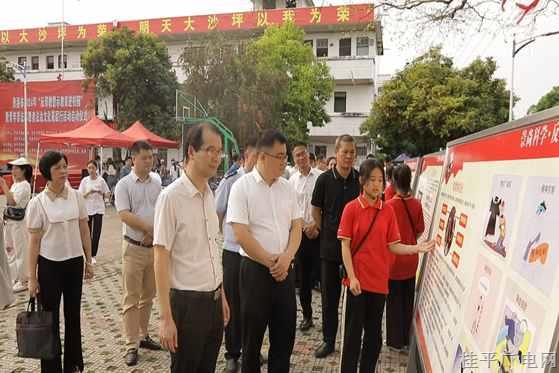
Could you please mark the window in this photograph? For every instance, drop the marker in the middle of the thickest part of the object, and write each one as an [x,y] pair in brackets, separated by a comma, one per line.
[340,102]
[320,150]
[50,62]
[309,42]
[65,61]
[345,47]
[22,61]
[322,47]
[35,63]
[269,4]
[362,150]
[290,3]
[363,46]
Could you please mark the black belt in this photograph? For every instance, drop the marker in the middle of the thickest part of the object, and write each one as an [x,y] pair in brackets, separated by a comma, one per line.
[136,243]
[215,294]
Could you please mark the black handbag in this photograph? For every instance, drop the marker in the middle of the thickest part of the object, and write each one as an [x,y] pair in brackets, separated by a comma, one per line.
[35,333]
[14,213]
[343,271]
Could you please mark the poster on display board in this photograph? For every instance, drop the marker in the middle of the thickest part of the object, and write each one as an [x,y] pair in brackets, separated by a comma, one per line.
[52,107]
[489,297]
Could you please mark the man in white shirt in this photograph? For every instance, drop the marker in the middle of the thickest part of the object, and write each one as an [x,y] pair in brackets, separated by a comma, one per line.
[188,268]
[308,256]
[267,223]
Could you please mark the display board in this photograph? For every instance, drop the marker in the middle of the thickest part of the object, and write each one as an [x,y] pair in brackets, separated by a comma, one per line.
[489,296]
[52,107]
[413,164]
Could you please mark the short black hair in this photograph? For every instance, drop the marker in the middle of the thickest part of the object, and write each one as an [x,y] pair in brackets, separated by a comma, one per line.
[320,157]
[389,171]
[269,137]
[402,178]
[235,157]
[296,144]
[251,142]
[312,157]
[195,136]
[27,171]
[48,160]
[140,145]
[93,162]
[366,169]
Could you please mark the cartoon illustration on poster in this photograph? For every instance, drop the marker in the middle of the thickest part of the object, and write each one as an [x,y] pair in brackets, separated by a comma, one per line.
[484,293]
[536,257]
[501,211]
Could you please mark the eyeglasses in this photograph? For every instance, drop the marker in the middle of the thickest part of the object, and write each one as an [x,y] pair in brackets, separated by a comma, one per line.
[280,157]
[211,150]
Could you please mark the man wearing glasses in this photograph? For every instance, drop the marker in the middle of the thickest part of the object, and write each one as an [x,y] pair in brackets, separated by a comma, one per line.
[266,220]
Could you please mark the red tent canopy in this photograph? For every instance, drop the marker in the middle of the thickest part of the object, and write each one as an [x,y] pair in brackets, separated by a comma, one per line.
[138,132]
[92,133]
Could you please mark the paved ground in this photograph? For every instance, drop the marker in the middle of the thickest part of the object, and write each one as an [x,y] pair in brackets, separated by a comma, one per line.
[102,330]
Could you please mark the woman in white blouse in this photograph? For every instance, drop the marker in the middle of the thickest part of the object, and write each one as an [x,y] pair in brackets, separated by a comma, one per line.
[18,196]
[58,241]
[94,189]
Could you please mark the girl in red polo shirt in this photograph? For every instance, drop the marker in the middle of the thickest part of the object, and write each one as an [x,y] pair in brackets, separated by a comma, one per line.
[399,305]
[369,235]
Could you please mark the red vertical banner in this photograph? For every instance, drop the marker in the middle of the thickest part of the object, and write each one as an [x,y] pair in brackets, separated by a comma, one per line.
[52,107]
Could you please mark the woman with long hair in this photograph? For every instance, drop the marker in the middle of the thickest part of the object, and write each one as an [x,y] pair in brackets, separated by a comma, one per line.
[58,242]
[370,237]
[18,196]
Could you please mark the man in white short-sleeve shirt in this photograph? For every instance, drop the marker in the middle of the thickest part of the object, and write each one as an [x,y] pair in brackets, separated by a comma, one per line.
[188,260]
[266,220]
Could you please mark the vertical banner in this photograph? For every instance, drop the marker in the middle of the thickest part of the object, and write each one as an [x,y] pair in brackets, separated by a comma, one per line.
[489,298]
[52,107]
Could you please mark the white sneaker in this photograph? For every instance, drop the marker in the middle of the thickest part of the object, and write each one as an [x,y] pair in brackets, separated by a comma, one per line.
[93,260]
[19,287]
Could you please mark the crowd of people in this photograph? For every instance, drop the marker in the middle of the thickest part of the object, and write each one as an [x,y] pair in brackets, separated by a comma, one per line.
[323,221]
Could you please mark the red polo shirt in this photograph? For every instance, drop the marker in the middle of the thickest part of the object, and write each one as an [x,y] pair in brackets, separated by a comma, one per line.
[389,192]
[405,266]
[373,260]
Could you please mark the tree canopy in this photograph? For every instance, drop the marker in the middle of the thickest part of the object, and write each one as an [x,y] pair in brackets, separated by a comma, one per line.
[431,102]
[135,69]
[549,100]
[271,81]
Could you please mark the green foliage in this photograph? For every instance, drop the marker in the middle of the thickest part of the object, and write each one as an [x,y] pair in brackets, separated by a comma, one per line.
[6,72]
[273,81]
[431,102]
[135,69]
[549,100]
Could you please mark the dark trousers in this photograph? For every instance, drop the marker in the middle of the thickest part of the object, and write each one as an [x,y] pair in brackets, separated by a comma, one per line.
[267,303]
[330,287]
[233,331]
[306,259]
[57,280]
[95,223]
[399,312]
[199,320]
[363,317]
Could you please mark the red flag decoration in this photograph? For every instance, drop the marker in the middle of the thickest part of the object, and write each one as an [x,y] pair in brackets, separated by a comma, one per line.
[525,9]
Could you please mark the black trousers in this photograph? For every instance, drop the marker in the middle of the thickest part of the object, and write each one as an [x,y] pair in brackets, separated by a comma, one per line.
[233,331]
[330,287]
[57,280]
[309,252]
[95,223]
[267,303]
[199,320]
[399,312]
[363,317]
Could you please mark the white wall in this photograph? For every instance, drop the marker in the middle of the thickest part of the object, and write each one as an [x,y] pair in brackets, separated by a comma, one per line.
[358,99]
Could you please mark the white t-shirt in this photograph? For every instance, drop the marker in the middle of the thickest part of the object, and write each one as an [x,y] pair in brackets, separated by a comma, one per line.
[22,193]
[94,202]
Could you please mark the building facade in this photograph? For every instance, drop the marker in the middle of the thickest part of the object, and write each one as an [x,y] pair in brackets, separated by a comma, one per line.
[347,38]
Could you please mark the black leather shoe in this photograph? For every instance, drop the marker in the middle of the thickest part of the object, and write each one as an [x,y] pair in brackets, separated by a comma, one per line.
[232,366]
[324,350]
[150,344]
[131,357]
[306,324]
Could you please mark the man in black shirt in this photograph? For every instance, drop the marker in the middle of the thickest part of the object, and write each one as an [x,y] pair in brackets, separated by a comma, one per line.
[333,190]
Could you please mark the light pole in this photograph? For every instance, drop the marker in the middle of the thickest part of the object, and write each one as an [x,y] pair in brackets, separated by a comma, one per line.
[23,70]
[517,47]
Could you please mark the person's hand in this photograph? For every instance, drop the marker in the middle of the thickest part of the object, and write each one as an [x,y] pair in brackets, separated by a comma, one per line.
[33,287]
[3,182]
[168,334]
[88,272]
[281,266]
[148,239]
[354,286]
[226,309]
[311,231]
[426,246]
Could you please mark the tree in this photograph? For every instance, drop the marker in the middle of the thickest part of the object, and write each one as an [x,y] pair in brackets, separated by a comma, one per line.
[273,81]
[135,69]
[549,100]
[6,72]
[430,102]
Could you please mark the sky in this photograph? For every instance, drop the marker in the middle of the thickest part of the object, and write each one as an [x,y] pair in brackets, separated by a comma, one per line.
[536,66]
